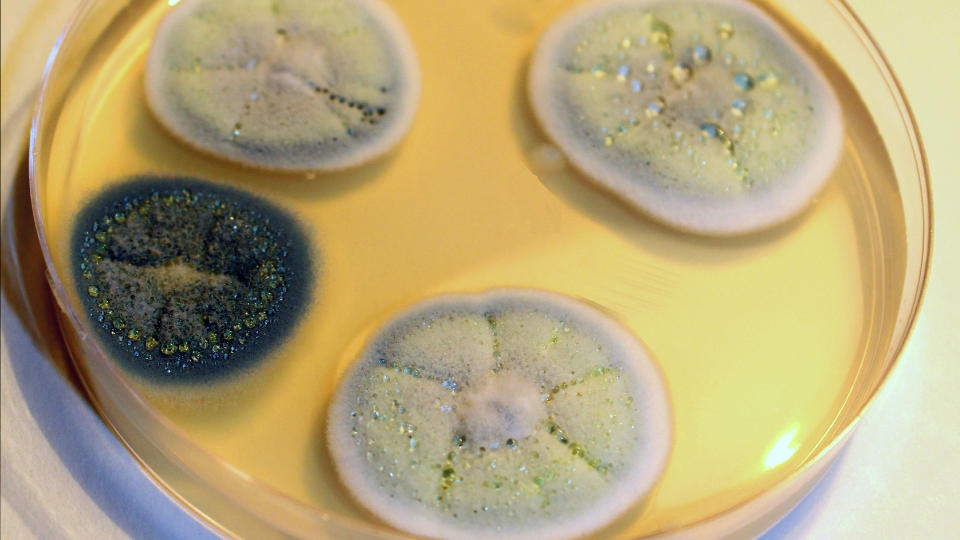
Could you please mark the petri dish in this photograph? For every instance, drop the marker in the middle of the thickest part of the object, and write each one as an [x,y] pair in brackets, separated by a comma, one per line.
[772,344]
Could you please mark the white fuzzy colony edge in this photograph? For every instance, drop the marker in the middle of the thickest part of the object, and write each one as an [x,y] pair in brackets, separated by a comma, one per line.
[512,413]
[704,114]
[289,85]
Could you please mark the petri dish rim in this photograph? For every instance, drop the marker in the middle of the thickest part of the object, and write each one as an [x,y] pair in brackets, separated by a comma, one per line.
[184,455]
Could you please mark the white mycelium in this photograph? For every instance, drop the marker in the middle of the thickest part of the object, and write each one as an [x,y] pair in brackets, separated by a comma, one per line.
[508,414]
[284,84]
[704,114]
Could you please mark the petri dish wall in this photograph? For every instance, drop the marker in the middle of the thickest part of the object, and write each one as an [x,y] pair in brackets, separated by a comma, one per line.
[772,343]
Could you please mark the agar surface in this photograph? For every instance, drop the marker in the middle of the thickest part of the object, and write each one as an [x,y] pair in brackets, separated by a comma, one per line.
[185,280]
[508,414]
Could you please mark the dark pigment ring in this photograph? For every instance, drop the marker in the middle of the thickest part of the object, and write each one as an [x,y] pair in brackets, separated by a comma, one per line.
[186,280]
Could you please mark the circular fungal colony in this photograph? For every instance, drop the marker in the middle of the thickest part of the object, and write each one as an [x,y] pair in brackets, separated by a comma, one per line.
[292,85]
[187,281]
[513,413]
[704,114]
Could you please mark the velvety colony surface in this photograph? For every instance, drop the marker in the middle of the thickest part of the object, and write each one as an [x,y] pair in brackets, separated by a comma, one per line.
[187,281]
[705,114]
[284,84]
[513,413]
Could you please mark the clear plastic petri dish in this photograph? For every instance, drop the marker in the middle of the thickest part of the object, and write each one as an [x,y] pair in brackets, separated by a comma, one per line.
[772,344]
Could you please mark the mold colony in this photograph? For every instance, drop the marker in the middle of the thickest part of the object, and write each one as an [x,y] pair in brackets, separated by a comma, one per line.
[513,413]
[703,114]
[286,85]
[188,281]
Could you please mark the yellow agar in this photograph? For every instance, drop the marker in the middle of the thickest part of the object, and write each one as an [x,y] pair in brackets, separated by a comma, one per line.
[760,337]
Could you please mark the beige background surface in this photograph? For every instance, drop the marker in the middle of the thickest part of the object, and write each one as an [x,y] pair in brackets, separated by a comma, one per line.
[64,475]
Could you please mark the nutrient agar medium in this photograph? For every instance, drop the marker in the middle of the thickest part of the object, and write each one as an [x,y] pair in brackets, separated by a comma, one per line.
[188,281]
[512,413]
[704,114]
[291,85]
[384,242]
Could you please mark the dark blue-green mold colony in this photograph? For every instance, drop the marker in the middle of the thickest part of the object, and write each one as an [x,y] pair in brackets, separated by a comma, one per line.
[188,281]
